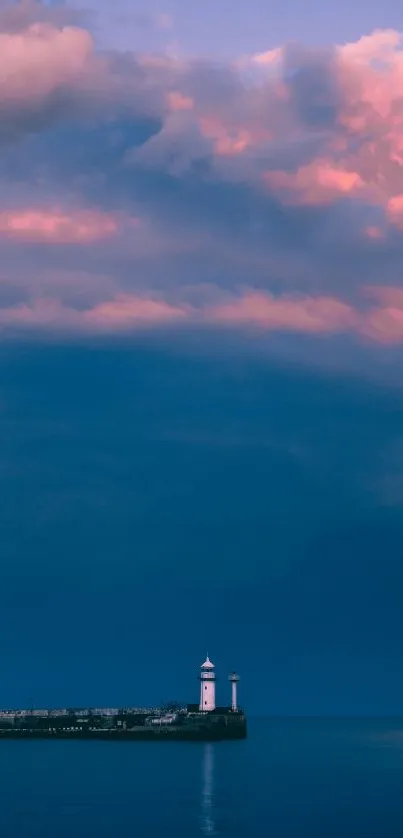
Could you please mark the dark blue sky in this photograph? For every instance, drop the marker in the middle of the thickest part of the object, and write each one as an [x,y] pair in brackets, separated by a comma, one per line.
[158,503]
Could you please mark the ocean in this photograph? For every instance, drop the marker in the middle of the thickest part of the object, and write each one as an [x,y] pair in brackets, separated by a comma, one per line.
[290,778]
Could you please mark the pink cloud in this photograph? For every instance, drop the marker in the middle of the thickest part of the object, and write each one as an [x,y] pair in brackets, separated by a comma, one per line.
[56,226]
[127,311]
[231,139]
[382,323]
[394,209]
[38,314]
[300,314]
[37,61]
[355,155]
[370,73]
[227,141]
[359,156]
[176,101]
[386,295]
[124,312]
[269,58]
[319,182]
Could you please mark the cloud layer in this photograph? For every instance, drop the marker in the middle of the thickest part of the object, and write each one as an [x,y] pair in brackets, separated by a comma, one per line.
[140,190]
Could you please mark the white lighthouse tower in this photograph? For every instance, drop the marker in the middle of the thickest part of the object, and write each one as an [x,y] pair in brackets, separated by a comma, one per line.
[234,678]
[207,686]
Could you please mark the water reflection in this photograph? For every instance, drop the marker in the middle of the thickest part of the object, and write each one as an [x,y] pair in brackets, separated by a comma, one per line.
[208,826]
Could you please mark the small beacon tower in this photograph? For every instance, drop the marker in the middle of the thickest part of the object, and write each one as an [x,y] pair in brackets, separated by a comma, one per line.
[234,678]
[207,686]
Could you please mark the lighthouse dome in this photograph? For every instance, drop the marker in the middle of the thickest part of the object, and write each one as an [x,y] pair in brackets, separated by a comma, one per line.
[207,664]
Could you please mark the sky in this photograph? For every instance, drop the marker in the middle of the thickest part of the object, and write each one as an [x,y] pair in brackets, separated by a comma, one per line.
[224,28]
[201,344]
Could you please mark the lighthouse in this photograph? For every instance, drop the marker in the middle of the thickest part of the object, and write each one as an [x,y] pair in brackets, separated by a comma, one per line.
[207,686]
[234,678]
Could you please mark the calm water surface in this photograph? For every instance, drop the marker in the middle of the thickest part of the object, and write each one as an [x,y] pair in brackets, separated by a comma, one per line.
[290,778]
